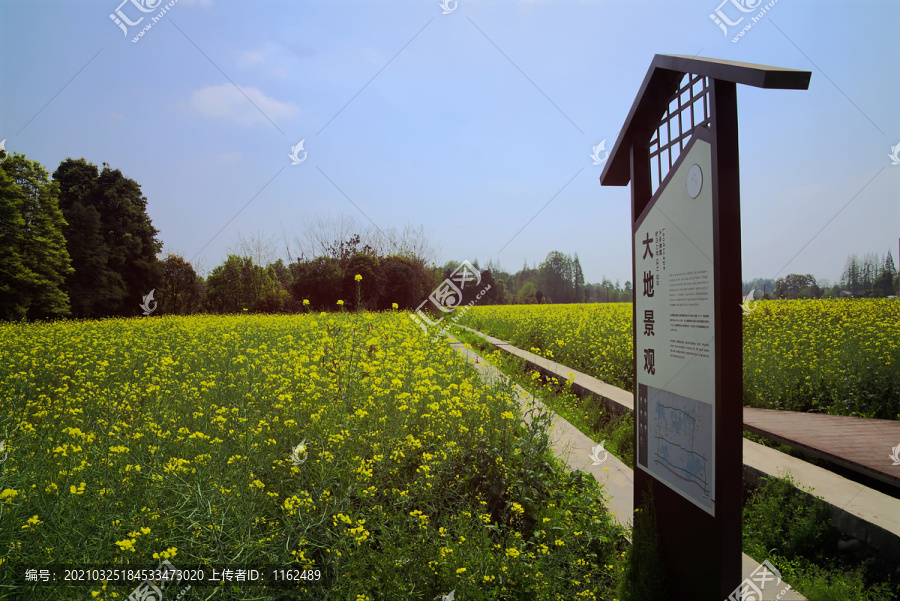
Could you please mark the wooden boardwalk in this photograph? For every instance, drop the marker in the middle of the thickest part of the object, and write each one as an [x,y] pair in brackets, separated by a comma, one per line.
[859,444]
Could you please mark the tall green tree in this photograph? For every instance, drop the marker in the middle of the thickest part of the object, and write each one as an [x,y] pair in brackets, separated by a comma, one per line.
[13,304]
[131,238]
[556,277]
[113,243]
[608,293]
[578,279]
[797,286]
[92,286]
[239,285]
[405,283]
[370,288]
[318,281]
[526,294]
[889,264]
[182,289]
[883,285]
[850,278]
[33,258]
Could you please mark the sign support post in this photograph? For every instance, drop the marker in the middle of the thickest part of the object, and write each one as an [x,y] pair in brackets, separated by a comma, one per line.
[679,150]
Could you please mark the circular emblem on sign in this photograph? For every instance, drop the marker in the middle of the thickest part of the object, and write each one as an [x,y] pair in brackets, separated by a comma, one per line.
[694,181]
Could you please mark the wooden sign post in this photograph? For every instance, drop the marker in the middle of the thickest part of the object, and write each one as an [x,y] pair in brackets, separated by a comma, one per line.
[679,150]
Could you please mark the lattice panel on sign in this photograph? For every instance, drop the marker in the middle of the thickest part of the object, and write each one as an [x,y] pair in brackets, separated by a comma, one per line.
[687,108]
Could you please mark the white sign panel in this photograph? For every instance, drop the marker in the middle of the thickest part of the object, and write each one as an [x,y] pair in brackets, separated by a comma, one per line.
[675,330]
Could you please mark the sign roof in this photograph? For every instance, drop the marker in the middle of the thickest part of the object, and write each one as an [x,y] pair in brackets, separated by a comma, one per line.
[661,81]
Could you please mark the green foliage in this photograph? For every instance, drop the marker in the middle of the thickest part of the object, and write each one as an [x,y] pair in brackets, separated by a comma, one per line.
[578,280]
[282,273]
[182,289]
[804,530]
[405,283]
[870,276]
[239,285]
[791,528]
[795,286]
[883,284]
[367,293]
[13,279]
[832,583]
[319,282]
[526,293]
[93,287]
[557,277]
[34,261]
[110,238]
[644,578]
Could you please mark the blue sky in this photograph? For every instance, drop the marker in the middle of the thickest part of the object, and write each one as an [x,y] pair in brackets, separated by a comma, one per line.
[466,123]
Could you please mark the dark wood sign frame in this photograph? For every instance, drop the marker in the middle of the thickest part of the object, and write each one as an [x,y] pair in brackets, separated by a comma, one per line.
[701,553]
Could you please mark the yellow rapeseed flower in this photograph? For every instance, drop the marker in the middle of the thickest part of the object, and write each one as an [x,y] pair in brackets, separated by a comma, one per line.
[32,521]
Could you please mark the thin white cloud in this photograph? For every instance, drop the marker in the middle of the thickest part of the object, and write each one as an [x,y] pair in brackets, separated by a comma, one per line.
[244,107]
[229,157]
[251,58]
[275,58]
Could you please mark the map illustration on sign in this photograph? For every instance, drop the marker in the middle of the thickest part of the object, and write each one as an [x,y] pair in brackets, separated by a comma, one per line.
[675,331]
[681,445]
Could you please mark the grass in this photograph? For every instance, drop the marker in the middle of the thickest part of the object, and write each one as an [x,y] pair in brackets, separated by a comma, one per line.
[347,444]
[792,529]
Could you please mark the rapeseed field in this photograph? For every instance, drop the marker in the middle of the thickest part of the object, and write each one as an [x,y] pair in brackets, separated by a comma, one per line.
[347,446]
[831,356]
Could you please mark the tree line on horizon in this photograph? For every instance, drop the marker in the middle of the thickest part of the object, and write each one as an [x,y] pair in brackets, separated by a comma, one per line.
[81,244]
[873,276]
